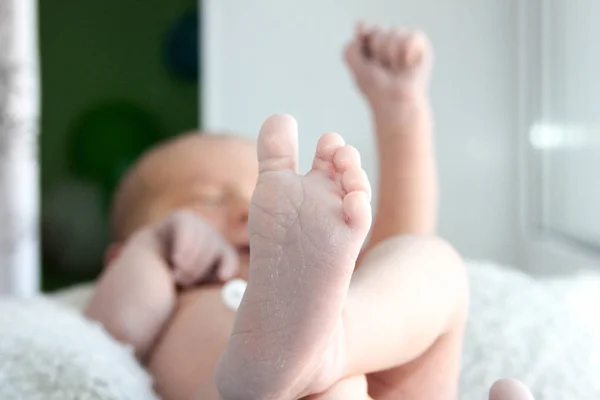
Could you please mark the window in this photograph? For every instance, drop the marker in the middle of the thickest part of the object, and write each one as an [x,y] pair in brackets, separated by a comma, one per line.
[560,107]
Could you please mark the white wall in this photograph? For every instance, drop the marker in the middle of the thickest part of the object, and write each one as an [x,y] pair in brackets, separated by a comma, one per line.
[268,56]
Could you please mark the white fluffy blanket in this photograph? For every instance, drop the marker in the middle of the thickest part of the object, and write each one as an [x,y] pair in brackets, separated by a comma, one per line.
[545,333]
[50,352]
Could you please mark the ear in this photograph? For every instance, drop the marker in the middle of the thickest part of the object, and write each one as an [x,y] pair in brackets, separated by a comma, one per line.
[112,252]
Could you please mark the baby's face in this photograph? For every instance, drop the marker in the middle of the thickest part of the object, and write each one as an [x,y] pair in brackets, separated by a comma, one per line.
[214,177]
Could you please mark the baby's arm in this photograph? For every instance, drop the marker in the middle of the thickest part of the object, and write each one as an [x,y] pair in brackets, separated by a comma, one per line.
[135,296]
[178,336]
[391,68]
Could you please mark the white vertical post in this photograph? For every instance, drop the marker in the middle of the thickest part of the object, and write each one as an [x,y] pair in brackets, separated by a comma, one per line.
[19,175]
[210,61]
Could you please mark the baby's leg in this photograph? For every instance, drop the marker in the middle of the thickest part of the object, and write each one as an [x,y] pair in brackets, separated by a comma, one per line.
[404,318]
[135,296]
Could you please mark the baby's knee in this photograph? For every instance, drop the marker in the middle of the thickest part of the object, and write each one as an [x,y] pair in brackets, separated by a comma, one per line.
[401,248]
[418,258]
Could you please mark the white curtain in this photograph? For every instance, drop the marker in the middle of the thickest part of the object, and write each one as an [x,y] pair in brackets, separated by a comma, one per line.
[19,111]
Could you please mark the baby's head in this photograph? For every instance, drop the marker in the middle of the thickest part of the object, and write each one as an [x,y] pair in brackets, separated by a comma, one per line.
[212,175]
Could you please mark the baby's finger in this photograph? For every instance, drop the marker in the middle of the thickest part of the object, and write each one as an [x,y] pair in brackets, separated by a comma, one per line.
[354,54]
[229,265]
[184,249]
[179,235]
[194,260]
[199,265]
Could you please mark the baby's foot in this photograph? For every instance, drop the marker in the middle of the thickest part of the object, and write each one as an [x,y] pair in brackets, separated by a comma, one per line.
[390,67]
[306,233]
[510,389]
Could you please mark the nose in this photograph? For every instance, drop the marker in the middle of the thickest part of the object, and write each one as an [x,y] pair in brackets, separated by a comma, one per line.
[238,212]
[237,221]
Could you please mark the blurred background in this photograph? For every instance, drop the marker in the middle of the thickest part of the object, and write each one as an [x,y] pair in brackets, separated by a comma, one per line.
[116,77]
[514,93]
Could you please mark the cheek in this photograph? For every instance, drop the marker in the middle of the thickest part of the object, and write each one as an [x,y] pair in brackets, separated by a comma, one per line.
[215,217]
[244,270]
[248,190]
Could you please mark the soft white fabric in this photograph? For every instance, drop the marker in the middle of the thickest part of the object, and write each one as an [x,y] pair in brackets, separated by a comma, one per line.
[75,297]
[543,332]
[50,352]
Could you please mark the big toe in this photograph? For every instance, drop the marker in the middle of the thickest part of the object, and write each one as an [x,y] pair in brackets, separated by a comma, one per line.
[278,144]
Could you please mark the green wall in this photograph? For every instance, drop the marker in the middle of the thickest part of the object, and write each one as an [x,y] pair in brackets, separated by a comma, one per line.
[93,51]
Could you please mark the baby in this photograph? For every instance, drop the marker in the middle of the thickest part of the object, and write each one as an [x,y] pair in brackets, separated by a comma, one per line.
[309,325]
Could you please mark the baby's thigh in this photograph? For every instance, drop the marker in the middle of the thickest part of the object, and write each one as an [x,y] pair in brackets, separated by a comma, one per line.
[354,388]
[184,360]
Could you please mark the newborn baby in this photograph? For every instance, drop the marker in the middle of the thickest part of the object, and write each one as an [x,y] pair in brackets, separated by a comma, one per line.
[201,210]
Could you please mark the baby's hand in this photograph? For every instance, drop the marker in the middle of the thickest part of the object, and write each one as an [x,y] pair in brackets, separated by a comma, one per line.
[389,64]
[195,251]
[135,297]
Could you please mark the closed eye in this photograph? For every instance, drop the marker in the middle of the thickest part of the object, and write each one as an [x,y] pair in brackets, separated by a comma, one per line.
[211,200]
